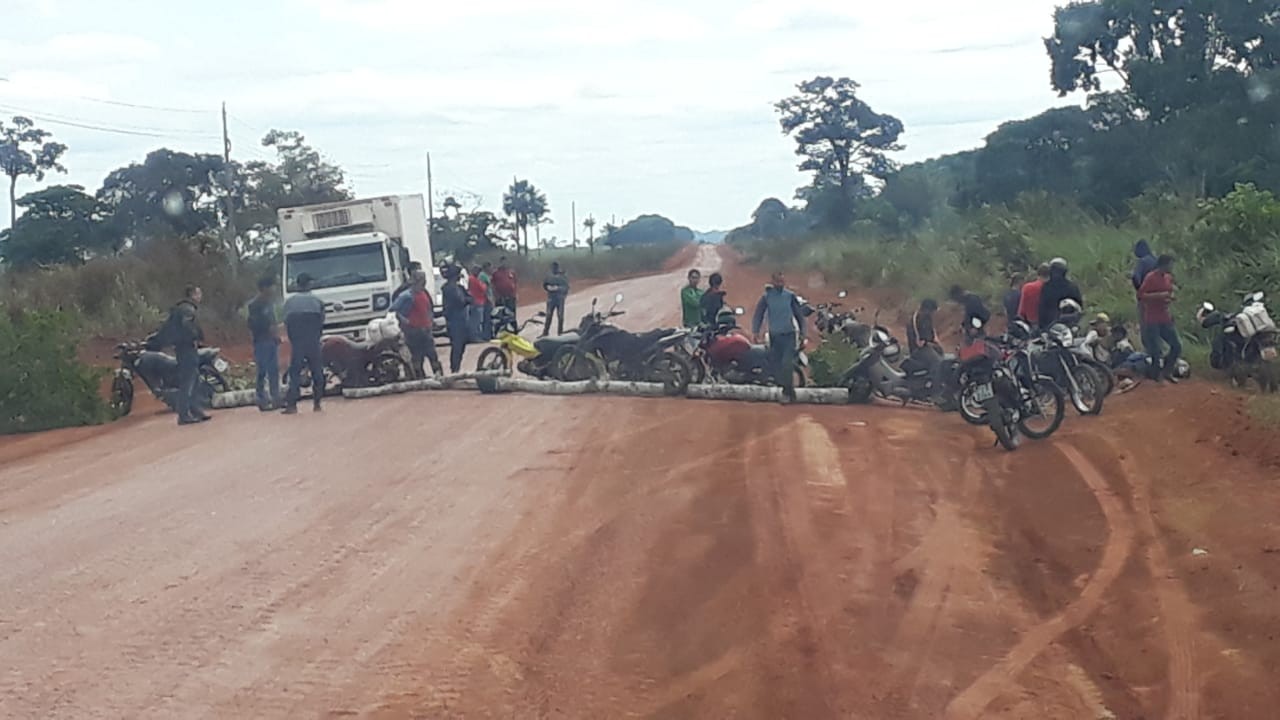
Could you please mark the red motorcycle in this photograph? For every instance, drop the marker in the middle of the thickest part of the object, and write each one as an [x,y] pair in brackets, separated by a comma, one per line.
[725,355]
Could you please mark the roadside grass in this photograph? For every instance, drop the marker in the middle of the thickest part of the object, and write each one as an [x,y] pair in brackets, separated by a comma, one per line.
[604,264]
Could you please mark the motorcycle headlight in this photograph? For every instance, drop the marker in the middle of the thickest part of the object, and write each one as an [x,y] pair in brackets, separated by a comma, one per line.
[381,301]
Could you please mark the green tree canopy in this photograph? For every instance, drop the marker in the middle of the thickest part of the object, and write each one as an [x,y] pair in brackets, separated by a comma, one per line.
[60,224]
[26,150]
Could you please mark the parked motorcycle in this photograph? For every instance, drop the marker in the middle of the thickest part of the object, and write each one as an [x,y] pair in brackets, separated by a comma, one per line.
[830,318]
[159,372]
[725,355]
[1052,355]
[1244,344]
[351,364]
[998,387]
[606,350]
[882,372]
[510,350]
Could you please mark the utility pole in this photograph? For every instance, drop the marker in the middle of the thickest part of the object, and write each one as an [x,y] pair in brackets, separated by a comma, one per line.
[431,198]
[573,223]
[228,182]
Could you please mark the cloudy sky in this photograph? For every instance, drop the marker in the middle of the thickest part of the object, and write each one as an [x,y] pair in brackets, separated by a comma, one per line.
[622,107]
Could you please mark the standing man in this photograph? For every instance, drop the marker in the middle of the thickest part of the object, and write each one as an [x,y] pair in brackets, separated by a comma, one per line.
[412,268]
[1059,287]
[691,300]
[1029,304]
[504,286]
[1012,298]
[479,293]
[1156,295]
[1146,263]
[786,325]
[973,306]
[304,321]
[713,299]
[416,314]
[266,343]
[557,287]
[456,317]
[486,277]
[183,328]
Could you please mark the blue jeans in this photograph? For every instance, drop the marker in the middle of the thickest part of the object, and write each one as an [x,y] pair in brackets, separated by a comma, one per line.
[487,328]
[782,361]
[266,355]
[475,314]
[1152,335]
[187,403]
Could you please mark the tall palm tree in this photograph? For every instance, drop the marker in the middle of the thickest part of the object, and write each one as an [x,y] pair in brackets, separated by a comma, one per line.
[590,225]
[524,204]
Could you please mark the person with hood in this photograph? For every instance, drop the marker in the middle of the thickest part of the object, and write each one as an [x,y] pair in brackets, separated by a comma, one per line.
[1029,304]
[782,309]
[1059,287]
[712,300]
[691,300]
[557,286]
[183,330]
[304,322]
[456,301]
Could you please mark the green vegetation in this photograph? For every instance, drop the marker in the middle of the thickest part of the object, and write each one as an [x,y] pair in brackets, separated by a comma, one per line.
[1185,154]
[582,265]
[45,386]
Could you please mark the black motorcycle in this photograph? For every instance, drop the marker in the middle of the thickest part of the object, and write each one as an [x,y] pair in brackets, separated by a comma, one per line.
[1244,344]
[605,350]
[882,372]
[998,387]
[1053,354]
[159,371]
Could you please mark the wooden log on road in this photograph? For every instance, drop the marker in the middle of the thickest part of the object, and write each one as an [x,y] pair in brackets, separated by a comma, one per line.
[546,387]
[234,399]
[759,393]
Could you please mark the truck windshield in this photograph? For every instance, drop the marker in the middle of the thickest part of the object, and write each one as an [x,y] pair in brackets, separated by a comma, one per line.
[336,267]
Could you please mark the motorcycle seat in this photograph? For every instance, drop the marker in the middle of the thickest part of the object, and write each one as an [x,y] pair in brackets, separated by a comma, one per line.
[548,345]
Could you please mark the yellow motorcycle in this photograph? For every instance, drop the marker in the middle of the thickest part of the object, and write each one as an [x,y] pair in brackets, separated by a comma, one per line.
[509,350]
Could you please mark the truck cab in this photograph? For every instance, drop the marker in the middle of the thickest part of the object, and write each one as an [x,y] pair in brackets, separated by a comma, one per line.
[357,253]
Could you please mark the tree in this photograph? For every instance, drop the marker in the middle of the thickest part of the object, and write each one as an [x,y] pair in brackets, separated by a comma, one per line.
[26,150]
[590,225]
[842,140]
[525,205]
[770,218]
[170,193]
[649,230]
[60,225]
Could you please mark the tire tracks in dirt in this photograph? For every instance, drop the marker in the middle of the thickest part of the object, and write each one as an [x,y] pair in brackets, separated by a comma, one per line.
[973,701]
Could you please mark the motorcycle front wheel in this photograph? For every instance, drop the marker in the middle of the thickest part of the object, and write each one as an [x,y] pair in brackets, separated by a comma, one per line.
[211,382]
[571,364]
[493,360]
[391,368]
[121,396]
[672,370]
[1006,432]
[1087,390]
[699,369]
[971,410]
[1043,413]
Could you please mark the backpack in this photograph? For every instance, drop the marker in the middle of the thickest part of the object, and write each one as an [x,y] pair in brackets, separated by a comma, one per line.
[167,335]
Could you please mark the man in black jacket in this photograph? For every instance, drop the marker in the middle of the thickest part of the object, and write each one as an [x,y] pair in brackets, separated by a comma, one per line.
[1056,289]
[266,343]
[184,330]
[304,321]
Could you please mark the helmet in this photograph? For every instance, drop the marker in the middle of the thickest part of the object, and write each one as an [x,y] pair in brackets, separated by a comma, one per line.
[1069,307]
[726,318]
[1020,330]
[1182,369]
[1058,264]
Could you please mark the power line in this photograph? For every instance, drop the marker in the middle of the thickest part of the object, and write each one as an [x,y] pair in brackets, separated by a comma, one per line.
[57,119]
[121,103]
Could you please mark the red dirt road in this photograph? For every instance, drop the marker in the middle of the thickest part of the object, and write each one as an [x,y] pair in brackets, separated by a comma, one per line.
[449,555]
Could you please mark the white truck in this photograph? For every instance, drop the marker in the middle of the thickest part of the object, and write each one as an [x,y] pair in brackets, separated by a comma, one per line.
[357,253]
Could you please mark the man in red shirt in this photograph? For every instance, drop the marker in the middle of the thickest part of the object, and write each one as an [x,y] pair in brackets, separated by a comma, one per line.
[504,286]
[1156,295]
[479,293]
[1029,304]
[414,310]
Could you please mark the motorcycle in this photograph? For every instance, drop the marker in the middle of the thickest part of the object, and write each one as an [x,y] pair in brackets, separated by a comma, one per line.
[881,372]
[829,317]
[510,350]
[1244,344]
[1052,354]
[725,355]
[351,364]
[606,350]
[998,387]
[159,372]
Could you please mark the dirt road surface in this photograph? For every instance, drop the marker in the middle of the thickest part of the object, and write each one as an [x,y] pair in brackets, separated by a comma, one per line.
[448,555]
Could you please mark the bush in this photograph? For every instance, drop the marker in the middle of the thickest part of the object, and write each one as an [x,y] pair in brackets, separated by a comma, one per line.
[830,361]
[44,385]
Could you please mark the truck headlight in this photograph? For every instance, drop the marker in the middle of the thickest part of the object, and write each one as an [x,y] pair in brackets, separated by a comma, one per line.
[381,301]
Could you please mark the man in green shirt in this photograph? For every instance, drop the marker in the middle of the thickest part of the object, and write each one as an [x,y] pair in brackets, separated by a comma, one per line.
[691,300]
[487,324]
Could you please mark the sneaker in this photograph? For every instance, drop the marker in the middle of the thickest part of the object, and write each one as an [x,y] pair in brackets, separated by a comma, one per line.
[290,410]
[188,421]
[317,408]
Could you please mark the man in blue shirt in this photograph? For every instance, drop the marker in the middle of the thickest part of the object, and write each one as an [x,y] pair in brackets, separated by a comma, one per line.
[785,315]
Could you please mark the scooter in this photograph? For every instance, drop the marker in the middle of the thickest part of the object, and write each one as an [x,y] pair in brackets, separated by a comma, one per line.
[1244,343]
[159,371]
[879,374]
[730,357]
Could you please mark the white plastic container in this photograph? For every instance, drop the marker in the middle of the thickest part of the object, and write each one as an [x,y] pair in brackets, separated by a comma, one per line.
[1254,319]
